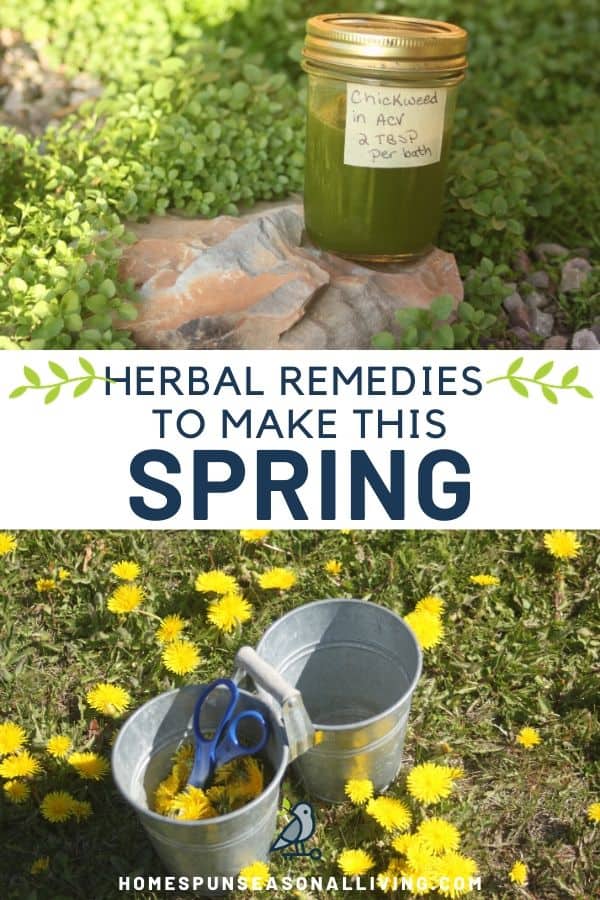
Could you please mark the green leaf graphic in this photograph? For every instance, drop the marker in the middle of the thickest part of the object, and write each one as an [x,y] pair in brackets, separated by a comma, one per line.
[515,366]
[583,392]
[52,394]
[58,371]
[32,376]
[519,387]
[570,376]
[82,387]
[87,366]
[543,370]
[549,394]
[18,392]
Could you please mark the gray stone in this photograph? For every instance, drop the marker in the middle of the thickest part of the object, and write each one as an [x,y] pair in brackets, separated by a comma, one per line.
[596,327]
[535,300]
[517,311]
[585,339]
[523,336]
[254,282]
[541,323]
[539,280]
[522,262]
[574,273]
[557,342]
[545,250]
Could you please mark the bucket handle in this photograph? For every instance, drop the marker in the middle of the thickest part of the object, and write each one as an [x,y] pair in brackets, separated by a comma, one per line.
[299,729]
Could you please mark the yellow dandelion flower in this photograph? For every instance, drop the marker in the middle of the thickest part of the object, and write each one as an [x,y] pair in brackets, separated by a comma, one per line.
[63,574]
[277,579]
[20,765]
[8,543]
[185,753]
[438,835]
[43,585]
[165,793]
[528,737]
[593,812]
[256,875]
[109,699]
[58,746]
[359,790]
[192,804]
[431,604]
[518,873]
[12,738]
[455,872]
[428,628]
[82,809]
[402,843]
[57,806]
[216,582]
[333,567]
[229,611]
[484,580]
[89,765]
[181,657]
[125,599]
[391,814]
[246,782]
[420,868]
[253,535]
[16,791]
[388,880]
[355,862]
[126,570]
[170,628]
[562,544]
[39,865]
[430,782]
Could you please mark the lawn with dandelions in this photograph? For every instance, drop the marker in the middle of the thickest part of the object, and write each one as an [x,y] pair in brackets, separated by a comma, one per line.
[500,774]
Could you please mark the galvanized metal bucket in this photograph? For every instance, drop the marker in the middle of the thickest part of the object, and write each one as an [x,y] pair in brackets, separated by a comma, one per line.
[356,665]
[212,849]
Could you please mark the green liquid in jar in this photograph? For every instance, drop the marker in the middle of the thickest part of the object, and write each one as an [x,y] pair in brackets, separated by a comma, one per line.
[367,213]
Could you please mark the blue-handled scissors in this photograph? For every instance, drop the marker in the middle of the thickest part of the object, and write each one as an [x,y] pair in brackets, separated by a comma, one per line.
[224,745]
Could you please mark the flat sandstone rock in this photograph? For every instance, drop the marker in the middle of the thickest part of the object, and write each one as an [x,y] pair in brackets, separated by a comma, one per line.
[255,282]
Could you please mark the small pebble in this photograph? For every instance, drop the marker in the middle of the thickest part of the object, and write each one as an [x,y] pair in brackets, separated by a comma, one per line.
[517,311]
[556,342]
[523,336]
[541,323]
[522,262]
[585,340]
[535,300]
[574,273]
[544,250]
[539,280]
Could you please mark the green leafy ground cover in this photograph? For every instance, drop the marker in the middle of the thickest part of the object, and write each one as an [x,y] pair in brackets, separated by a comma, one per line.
[521,652]
[203,111]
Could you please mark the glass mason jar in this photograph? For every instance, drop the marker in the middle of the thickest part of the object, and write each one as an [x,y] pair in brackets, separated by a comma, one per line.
[381,100]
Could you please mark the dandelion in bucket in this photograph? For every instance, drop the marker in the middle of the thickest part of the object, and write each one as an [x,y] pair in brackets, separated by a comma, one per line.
[429,782]
[58,746]
[20,765]
[16,791]
[562,544]
[181,657]
[484,580]
[333,567]
[8,543]
[518,873]
[359,790]
[109,699]
[355,862]
[593,812]
[58,806]
[89,765]
[277,579]
[528,737]
[216,582]
[170,629]
[254,535]
[12,737]
[125,599]
[126,570]
[228,612]
[256,875]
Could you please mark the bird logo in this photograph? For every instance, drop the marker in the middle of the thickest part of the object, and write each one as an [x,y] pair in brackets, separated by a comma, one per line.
[298,830]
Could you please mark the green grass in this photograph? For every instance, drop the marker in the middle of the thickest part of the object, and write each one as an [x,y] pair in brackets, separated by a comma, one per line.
[522,653]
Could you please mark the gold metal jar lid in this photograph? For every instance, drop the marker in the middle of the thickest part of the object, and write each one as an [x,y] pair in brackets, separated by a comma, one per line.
[374,45]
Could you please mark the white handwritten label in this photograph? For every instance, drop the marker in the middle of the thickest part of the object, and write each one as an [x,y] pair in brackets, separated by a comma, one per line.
[393,127]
